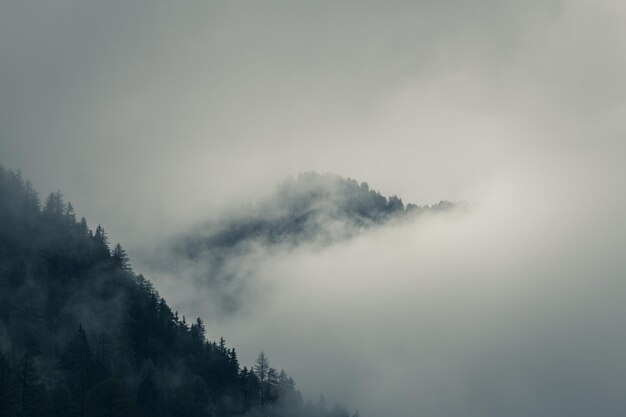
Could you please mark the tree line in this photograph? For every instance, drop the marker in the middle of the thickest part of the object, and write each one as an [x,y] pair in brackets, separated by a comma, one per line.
[82,335]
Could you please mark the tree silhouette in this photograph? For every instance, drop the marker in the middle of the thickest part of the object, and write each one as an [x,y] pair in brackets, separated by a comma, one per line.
[77,363]
[261,370]
[31,392]
[120,258]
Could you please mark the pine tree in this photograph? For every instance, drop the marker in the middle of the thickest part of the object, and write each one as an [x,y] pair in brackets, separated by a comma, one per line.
[261,369]
[77,363]
[32,198]
[69,214]
[101,239]
[148,395]
[83,228]
[120,258]
[197,332]
[54,207]
[31,394]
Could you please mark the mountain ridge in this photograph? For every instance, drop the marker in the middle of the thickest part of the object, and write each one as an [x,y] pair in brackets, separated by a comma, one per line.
[83,335]
[311,207]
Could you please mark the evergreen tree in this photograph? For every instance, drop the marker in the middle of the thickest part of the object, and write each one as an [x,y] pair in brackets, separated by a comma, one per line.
[31,394]
[69,214]
[120,258]
[76,362]
[261,370]
[148,394]
[197,332]
[54,207]
[101,239]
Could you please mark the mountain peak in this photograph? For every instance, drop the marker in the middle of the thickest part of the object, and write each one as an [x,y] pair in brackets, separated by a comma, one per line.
[309,208]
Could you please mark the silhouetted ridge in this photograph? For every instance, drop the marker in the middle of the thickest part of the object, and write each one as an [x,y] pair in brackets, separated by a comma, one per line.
[82,335]
[310,208]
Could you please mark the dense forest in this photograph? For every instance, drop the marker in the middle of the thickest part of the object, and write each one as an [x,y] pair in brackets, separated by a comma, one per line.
[311,208]
[82,335]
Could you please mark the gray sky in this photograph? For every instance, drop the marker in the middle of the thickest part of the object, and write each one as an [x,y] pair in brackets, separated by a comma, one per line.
[150,116]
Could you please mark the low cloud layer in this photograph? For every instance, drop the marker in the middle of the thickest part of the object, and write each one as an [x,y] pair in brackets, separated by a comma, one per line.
[512,309]
[154,117]
[221,255]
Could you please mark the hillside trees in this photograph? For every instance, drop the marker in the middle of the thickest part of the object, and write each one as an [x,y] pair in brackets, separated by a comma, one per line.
[83,335]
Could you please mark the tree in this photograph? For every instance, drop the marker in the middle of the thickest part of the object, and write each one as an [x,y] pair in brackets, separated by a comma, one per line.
[70,216]
[83,229]
[101,238]
[261,370]
[32,198]
[288,397]
[54,206]
[76,362]
[121,258]
[197,332]
[271,385]
[395,204]
[148,395]
[31,392]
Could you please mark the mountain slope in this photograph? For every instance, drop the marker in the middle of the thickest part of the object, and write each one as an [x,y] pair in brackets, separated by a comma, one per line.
[313,208]
[82,335]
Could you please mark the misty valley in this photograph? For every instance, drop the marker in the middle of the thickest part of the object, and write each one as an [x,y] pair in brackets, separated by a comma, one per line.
[323,208]
[82,334]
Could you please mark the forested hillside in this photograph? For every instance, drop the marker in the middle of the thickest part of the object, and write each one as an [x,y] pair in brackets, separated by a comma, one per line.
[311,208]
[81,334]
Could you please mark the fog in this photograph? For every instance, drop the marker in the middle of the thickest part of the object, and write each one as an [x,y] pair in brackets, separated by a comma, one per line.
[152,118]
[513,308]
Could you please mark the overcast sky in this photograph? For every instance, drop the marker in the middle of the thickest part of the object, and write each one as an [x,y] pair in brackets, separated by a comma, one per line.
[150,116]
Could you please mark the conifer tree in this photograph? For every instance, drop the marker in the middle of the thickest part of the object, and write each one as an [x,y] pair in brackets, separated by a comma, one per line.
[261,369]
[101,237]
[30,397]
[148,395]
[54,207]
[70,216]
[77,363]
[120,258]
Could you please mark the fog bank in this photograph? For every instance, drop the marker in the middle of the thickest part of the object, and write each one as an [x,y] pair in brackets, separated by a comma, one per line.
[152,117]
[513,308]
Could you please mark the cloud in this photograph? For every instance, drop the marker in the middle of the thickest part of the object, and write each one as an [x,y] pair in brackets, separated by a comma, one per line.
[513,309]
[152,117]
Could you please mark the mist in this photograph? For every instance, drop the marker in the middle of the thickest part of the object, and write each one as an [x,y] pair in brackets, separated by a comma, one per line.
[511,308]
[153,119]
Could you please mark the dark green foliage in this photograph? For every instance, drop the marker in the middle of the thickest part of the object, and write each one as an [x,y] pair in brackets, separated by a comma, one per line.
[149,396]
[109,398]
[30,391]
[81,335]
[313,208]
[8,389]
[78,368]
[120,258]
